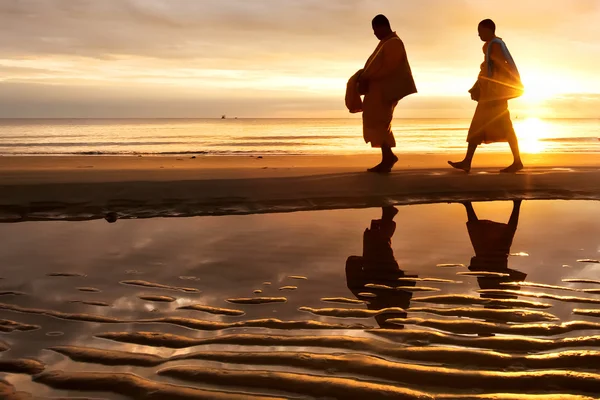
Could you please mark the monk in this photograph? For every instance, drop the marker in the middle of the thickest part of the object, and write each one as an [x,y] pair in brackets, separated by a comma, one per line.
[498,81]
[385,80]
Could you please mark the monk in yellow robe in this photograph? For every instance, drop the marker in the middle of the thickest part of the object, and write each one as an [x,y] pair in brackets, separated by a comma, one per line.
[498,82]
[385,80]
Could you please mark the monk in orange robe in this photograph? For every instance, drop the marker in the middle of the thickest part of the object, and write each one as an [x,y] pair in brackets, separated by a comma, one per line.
[498,82]
[385,80]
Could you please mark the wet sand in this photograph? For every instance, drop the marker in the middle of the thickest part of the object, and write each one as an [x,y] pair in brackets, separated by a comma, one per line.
[42,188]
[173,313]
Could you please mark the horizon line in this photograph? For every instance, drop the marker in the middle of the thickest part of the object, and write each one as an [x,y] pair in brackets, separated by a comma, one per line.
[271,118]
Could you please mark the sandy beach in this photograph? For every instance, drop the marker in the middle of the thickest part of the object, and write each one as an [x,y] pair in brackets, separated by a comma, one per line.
[33,188]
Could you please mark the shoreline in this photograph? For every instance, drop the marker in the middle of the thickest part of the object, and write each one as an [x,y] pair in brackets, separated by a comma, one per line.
[86,188]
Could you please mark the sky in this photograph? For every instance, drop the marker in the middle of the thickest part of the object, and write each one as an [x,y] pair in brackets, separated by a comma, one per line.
[282,58]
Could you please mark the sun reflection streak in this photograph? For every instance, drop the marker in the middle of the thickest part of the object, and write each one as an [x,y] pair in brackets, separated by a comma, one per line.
[531,133]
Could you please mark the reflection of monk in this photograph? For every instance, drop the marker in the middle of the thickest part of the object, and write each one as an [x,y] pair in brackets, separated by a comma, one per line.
[378,266]
[491,242]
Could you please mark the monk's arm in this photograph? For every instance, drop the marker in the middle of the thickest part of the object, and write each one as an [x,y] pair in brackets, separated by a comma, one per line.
[392,57]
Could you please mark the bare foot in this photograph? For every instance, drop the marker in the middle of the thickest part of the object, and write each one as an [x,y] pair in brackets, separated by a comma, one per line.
[514,168]
[460,165]
[377,169]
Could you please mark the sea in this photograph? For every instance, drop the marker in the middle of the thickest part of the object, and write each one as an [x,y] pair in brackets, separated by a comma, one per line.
[230,136]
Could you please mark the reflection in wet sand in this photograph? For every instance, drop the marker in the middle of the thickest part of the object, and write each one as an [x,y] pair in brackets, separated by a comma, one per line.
[399,322]
[373,277]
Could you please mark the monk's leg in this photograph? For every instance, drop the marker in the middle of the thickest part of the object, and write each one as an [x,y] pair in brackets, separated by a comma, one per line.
[471,215]
[465,164]
[388,213]
[388,159]
[517,164]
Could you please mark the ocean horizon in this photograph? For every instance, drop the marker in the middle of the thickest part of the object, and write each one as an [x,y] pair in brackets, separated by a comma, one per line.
[273,136]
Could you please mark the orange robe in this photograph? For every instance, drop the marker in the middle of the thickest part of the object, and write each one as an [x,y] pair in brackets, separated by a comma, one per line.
[491,122]
[390,79]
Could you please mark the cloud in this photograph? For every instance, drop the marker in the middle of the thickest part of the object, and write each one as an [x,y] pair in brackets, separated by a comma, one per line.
[291,46]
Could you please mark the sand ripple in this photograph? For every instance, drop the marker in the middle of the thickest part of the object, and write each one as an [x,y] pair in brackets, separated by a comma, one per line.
[257,300]
[213,310]
[498,342]
[158,299]
[7,326]
[470,300]
[133,386]
[159,286]
[351,312]
[22,366]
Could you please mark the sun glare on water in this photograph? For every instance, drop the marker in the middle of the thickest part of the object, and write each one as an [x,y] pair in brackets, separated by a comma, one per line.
[530,132]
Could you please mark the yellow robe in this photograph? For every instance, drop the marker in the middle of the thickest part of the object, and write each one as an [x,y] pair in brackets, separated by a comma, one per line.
[491,122]
[390,79]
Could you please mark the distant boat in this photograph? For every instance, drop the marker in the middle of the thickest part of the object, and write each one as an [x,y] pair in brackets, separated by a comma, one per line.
[223,116]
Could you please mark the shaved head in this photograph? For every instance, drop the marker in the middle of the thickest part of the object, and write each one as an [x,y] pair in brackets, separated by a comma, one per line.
[488,24]
[381,21]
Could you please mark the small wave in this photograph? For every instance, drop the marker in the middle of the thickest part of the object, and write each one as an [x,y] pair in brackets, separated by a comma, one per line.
[91,144]
[571,139]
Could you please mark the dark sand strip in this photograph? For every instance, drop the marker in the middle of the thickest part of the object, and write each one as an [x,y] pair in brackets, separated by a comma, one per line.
[51,193]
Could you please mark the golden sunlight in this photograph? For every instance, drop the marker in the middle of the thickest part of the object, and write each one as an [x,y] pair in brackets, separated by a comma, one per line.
[530,132]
